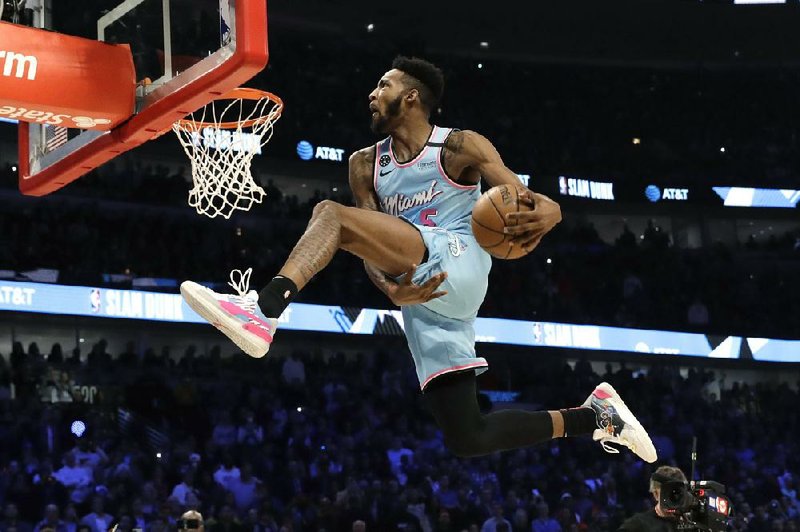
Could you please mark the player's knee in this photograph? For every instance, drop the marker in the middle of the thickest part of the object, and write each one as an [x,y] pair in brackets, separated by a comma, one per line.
[326,208]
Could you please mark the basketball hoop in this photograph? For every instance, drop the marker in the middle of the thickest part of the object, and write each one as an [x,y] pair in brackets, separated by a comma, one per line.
[221,144]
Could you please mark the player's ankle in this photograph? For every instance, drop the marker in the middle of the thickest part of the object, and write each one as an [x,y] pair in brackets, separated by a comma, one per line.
[276,296]
[579,421]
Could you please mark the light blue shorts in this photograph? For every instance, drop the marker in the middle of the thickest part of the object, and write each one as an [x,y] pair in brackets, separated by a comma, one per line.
[441,333]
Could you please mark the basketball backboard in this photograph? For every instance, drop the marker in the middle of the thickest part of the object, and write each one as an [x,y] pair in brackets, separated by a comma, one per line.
[185,53]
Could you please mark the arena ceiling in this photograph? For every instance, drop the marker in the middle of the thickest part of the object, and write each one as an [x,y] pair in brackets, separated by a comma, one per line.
[628,31]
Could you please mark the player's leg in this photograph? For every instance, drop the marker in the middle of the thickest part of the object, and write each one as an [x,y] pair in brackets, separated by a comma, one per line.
[250,319]
[388,242]
[453,401]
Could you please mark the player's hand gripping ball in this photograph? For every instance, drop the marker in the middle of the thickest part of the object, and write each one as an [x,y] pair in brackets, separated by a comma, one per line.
[509,221]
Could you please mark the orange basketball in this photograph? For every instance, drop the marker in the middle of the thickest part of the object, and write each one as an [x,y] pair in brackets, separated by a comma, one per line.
[489,220]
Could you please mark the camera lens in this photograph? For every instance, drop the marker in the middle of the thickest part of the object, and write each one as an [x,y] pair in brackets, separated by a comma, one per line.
[675,496]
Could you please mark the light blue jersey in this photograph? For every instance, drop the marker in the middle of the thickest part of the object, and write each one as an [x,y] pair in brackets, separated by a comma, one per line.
[420,191]
[440,333]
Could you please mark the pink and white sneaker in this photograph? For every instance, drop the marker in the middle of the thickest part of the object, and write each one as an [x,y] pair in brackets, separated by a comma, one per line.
[616,424]
[236,315]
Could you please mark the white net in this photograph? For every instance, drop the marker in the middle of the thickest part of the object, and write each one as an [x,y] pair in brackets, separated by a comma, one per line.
[221,140]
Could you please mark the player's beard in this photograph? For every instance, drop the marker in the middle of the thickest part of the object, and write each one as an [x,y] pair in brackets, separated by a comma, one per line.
[380,124]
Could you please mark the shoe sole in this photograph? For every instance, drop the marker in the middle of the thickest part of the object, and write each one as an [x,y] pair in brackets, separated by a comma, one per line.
[206,305]
[628,417]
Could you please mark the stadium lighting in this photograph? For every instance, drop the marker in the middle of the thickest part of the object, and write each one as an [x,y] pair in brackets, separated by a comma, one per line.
[637,140]
[484,44]
[370,27]
[78,428]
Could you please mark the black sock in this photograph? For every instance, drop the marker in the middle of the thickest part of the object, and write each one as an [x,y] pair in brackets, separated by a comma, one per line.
[579,421]
[276,296]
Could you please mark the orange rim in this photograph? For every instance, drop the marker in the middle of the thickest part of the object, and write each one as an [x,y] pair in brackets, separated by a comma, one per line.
[238,94]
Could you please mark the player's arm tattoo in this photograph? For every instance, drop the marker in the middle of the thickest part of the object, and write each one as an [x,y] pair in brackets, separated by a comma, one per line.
[453,145]
[362,167]
[455,156]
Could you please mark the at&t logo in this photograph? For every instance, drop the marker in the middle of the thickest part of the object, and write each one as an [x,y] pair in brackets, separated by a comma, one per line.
[306,152]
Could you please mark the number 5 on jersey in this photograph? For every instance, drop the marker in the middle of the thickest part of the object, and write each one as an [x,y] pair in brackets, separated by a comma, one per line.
[425,217]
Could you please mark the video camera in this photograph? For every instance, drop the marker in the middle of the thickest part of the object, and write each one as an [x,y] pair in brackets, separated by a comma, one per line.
[189,524]
[698,505]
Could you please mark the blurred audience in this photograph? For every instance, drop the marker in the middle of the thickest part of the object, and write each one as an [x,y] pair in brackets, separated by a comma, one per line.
[353,459]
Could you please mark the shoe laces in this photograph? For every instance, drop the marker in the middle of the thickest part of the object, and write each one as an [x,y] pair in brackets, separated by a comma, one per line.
[240,282]
[605,440]
[608,448]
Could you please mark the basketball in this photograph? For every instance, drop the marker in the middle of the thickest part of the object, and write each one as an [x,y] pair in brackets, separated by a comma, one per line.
[489,220]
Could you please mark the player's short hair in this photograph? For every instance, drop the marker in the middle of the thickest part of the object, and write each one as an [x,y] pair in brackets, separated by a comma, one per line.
[424,76]
[665,474]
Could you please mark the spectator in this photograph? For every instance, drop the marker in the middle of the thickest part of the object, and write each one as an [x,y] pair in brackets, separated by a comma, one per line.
[225,432]
[76,478]
[497,521]
[395,454]
[445,495]
[520,520]
[11,520]
[138,516]
[89,454]
[697,315]
[227,522]
[51,520]
[250,433]
[294,371]
[98,520]
[245,489]
[186,487]
[543,521]
[227,472]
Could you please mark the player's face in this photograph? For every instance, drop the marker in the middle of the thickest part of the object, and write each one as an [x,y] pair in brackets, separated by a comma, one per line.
[657,496]
[385,102]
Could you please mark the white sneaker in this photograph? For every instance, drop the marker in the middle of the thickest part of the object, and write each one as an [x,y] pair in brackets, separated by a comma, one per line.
[616,424]
[237,316]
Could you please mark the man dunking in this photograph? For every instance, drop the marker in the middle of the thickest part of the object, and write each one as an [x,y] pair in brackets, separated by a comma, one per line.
[414,193]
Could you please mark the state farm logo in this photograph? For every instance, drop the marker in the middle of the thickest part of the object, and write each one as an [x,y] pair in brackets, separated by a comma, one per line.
[9,60]
[52,119]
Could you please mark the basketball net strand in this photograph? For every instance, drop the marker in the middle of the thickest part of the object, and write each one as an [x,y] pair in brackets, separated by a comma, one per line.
[221,158]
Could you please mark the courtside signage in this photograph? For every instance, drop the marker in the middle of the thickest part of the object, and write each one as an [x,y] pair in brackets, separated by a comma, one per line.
[585,188]
[307,151]
[151,306]
[222,139]
[758,197]
[654,193]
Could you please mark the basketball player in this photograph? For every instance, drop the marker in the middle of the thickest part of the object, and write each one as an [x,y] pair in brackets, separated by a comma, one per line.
[414,192]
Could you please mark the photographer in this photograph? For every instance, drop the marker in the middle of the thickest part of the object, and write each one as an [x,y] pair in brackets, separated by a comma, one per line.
[191,520]
[656,520]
